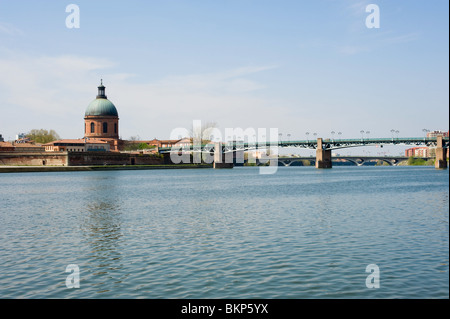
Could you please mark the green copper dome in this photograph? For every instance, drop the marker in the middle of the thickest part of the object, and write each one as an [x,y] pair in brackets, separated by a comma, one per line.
[101,106]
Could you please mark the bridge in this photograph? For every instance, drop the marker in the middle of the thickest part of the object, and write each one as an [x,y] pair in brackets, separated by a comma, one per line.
[221,151]
[357,160]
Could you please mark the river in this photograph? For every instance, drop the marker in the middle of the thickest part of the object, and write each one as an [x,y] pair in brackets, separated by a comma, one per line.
[231,233]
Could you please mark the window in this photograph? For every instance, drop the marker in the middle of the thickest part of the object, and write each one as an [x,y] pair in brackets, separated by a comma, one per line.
[105,127]
[115,128]
[92,127]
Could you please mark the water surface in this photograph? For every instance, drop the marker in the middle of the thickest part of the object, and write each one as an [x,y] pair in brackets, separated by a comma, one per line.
[204,233]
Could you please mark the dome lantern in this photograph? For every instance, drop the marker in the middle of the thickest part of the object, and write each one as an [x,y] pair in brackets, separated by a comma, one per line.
[101,91]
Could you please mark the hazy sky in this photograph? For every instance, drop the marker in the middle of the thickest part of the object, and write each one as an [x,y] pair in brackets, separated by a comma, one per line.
[293,65]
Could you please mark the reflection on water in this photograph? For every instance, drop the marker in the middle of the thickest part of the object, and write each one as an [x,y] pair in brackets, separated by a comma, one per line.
[100,225]
[101,230]
[301,233]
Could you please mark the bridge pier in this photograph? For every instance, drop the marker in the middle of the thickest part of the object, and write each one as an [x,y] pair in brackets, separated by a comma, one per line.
[222,160]
[323,156]
[441,154]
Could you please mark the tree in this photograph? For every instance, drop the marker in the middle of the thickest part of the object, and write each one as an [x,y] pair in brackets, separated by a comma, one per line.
[416,161]
[134,138]
[43,136]
[144,146]
[132,143]
[306,162]
[382,163]
[203,133]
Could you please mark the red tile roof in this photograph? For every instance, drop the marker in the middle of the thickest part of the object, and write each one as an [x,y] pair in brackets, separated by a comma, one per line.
[6,144]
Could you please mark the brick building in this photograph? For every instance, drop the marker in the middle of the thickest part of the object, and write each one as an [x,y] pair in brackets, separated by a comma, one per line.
[417,152]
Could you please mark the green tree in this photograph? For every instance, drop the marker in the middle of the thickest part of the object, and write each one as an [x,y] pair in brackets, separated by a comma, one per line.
[410,160]
[144,146]
[416,161]
[43,136]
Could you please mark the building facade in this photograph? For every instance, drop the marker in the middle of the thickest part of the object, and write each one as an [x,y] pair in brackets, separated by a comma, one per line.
[20,136]
[417,152]
[79,145]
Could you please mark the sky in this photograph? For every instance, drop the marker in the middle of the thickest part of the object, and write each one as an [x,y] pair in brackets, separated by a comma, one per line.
[298,66]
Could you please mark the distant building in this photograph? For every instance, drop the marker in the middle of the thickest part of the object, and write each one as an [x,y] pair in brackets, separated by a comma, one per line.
[78,145]
[20,136]
[23,140]
[438,133]
[185,141]
[417,152]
